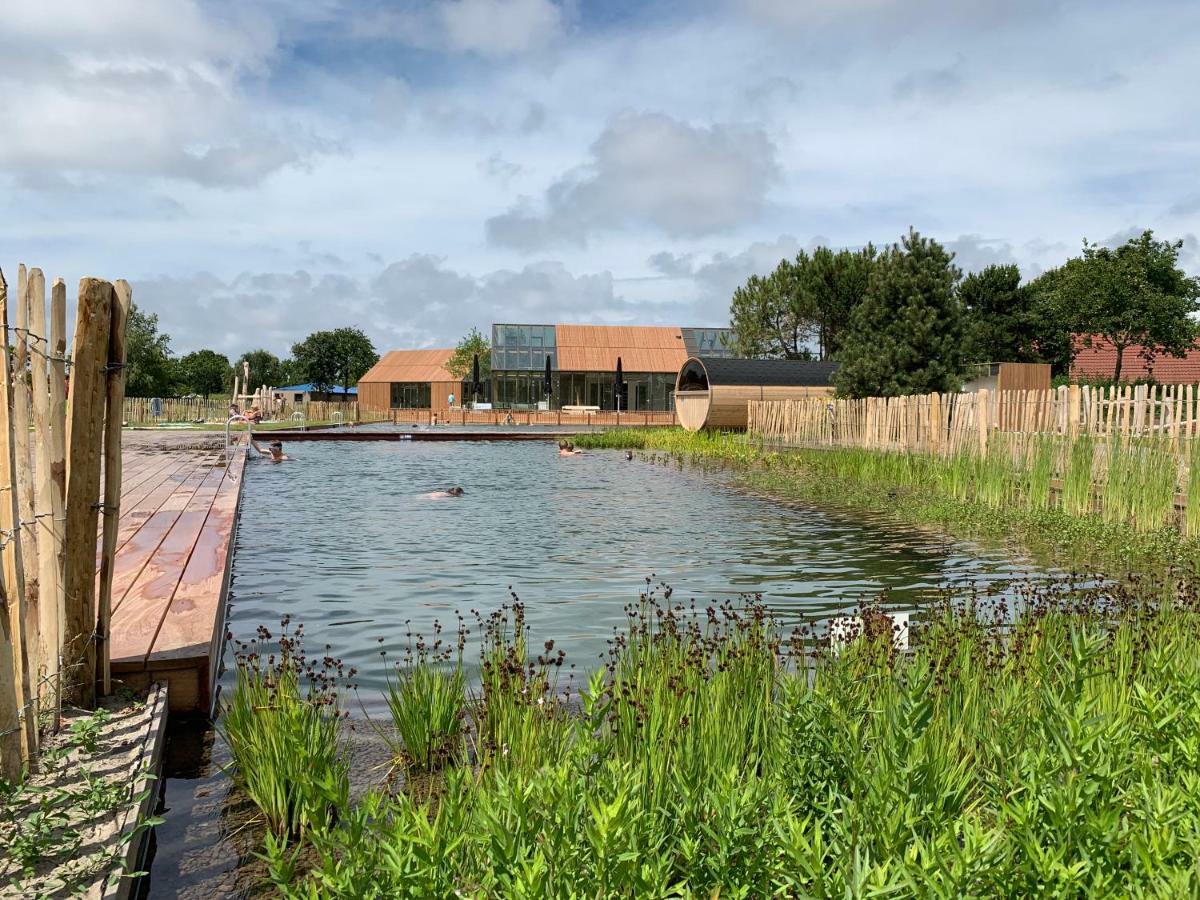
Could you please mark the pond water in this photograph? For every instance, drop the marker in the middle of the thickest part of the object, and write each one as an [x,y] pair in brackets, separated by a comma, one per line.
[344,539]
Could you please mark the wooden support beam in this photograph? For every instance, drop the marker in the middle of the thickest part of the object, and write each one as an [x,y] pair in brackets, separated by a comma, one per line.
[85,433]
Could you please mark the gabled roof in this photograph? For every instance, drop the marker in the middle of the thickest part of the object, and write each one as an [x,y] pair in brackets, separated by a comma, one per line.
[595,348]
[1100,361]
[411,365]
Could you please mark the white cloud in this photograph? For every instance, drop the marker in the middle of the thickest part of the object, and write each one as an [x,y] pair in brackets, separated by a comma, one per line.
[500,27]
[650,169]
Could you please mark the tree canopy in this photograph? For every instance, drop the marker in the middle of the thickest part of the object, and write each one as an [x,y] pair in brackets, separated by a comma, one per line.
[265,368]
[905,335]
[461,362]
[1001,322]
[149,369]
[337,357]
[803,307]
[1132,295]
[205,372]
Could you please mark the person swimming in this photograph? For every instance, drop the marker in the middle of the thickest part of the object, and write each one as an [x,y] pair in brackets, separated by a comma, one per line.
[563,450]
[628,455]
[449,492]
[273,451]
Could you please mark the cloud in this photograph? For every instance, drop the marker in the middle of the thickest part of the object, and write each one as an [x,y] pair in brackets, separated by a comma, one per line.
[125,88]
[935,84]
[650,169]
[973,252]
[673,265]
[497,28]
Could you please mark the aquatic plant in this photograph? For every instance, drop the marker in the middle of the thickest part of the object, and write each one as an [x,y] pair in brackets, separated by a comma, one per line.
[427,702]
[1046,747]
[281,725]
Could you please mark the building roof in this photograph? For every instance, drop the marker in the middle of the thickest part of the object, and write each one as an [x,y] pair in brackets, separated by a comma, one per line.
[411,365]
[308,388]
[595,348]
[768,372]
[1100,361]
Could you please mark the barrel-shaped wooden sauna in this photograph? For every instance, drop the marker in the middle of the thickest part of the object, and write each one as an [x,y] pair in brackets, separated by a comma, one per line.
[713,392]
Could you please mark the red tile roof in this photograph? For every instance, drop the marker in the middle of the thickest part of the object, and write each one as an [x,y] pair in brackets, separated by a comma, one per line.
[1100,361]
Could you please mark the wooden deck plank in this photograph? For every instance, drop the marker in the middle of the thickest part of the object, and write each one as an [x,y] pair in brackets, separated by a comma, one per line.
[137,620]
[144,467]
[135,514]
[187,630]
[137,552]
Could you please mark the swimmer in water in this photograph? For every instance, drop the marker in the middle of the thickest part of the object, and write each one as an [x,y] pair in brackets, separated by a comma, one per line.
[273,451]
[449,492]
[628,455]
[571,451]
[562,449]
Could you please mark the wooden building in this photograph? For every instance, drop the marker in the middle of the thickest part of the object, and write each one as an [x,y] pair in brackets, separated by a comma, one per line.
[411,379]
[713,392]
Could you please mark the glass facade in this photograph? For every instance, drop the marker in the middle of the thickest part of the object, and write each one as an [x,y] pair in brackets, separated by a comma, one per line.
[708,341]
[410,395]
[519,355]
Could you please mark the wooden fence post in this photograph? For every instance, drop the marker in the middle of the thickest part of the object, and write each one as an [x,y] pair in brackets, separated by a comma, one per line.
[21,403]
[85,431]
[115,389]
[12,736]
[14,576]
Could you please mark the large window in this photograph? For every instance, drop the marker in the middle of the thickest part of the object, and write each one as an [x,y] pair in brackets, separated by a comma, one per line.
[523,347]
[410,395]
[708,341]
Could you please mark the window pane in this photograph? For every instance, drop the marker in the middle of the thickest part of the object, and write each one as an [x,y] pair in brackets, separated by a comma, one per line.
[497,335]
[512,335]
[549,335]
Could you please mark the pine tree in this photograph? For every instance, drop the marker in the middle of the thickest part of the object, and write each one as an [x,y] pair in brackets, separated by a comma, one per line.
[905,336]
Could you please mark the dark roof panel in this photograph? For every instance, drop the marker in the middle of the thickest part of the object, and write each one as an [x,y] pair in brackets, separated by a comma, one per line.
[768,372]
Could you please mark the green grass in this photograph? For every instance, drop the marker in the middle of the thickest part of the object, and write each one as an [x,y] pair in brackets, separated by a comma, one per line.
[1054,753]
[1003,495]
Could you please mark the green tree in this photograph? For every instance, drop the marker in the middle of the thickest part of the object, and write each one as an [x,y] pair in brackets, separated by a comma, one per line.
[1133,295]
[462,361]
[838,281]
[205,372]
[337,357]
[905,336]
[148,367]
[807,300]
[1000,319]
[265,368]
[773,316]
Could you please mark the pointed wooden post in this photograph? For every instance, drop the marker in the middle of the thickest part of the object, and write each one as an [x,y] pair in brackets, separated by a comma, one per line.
[12,737]
[112,474]
[23,453]
[58,463]
[85,442]
[14,576]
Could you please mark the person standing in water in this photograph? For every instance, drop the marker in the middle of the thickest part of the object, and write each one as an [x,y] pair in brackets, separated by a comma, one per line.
[273,451]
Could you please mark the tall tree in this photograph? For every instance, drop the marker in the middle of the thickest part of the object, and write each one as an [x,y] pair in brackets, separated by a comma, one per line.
[773,316]
[265,368]
[462,362]
[1133,295]
[905,335]
[148,367]
[1000,320]
[205,372]
[838,281]
[337,357]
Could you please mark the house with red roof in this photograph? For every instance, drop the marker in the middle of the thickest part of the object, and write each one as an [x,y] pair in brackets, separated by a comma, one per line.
[1098,362]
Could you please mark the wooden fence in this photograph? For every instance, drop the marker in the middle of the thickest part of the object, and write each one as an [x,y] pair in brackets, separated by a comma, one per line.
[525,417]
[948,423]
[156,411]
[60,477]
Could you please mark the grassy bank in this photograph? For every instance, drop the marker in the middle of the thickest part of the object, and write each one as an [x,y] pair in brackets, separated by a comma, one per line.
[1050,752]
[1122,525]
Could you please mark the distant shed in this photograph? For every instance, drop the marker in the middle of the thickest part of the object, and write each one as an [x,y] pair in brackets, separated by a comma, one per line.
[712,392]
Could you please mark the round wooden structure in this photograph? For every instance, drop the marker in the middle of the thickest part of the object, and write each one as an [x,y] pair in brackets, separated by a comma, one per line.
[713,392]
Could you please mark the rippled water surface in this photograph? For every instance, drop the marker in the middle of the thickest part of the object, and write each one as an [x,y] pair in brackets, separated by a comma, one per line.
[344,539]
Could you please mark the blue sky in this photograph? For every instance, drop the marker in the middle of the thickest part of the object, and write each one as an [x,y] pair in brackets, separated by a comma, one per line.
[262,169]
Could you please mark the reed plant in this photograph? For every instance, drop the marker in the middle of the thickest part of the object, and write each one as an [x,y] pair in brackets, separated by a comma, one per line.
[1049,747]
[426,696]
[281,726]
[1077,477]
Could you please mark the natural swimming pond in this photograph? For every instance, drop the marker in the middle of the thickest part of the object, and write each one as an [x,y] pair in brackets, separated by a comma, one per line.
[344,540]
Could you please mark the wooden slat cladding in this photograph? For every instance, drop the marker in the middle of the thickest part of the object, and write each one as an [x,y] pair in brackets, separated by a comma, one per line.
[409,366]
[595,348]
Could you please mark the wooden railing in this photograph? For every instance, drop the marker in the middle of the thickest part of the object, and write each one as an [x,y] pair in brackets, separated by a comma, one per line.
[947,423]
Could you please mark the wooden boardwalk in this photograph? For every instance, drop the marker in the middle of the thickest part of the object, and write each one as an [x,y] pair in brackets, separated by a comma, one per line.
[179,509]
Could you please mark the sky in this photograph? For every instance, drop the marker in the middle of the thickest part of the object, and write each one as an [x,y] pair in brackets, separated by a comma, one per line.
[260,169]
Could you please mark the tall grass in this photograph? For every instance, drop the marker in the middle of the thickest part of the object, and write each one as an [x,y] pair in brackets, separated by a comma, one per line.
[1052,750]
[281,725]
[426,699]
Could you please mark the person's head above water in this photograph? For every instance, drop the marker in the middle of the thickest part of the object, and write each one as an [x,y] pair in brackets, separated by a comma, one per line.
[629,454]
[455,491]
